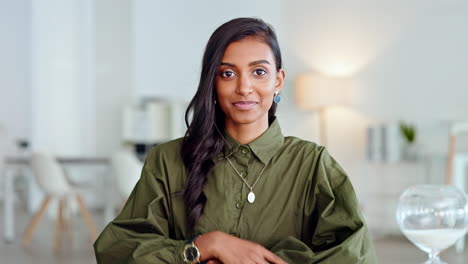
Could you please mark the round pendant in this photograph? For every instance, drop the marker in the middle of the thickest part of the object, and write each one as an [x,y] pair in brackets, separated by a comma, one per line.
[251,197]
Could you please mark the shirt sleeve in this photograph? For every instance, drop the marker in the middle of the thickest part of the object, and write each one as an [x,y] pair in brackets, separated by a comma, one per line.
[333,229]
[142,231]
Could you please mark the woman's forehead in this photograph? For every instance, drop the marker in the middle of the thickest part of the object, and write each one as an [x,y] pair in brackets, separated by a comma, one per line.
[248,50]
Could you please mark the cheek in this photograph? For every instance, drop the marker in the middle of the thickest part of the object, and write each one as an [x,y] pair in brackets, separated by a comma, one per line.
[222,98]
[224,90]
[218,91]
[267,92]
[268,84]
[221,95]
[267,102]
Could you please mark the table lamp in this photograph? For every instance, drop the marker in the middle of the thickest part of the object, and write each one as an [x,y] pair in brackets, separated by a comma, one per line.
[316,92]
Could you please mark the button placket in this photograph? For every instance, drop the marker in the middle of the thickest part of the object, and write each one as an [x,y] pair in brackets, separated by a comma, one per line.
[241,157]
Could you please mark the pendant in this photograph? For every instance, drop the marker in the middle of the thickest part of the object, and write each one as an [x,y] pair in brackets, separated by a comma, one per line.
[251,197]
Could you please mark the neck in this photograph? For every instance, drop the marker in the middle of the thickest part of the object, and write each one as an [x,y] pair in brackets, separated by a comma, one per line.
[246,133]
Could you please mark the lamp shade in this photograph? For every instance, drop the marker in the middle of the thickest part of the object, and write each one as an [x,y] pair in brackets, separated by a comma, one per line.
[159,124]
[315,91]
[147,124]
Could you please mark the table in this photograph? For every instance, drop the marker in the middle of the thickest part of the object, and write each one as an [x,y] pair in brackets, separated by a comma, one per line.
[13,163]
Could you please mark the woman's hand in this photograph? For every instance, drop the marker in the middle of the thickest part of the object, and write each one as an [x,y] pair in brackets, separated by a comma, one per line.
[229,249]
[213,261]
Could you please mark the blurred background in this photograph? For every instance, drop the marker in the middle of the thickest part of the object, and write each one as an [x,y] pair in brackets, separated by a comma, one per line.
[90,85]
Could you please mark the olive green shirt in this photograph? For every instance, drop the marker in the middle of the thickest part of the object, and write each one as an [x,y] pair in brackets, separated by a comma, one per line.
[305,209]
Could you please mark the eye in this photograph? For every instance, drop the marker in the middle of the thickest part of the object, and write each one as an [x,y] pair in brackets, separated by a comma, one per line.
[227,74]
[259,72]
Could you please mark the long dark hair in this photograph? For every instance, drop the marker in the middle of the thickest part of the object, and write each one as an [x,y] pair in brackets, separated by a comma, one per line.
[202,140]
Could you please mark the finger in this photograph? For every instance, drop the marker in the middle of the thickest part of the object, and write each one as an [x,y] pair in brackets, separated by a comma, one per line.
[261,257]
[273,258]
[213,261]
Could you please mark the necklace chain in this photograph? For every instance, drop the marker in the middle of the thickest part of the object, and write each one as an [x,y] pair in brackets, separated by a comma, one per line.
[251,195]
[245,181]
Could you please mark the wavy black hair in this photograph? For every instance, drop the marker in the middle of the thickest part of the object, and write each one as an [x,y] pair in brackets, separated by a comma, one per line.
[202,141]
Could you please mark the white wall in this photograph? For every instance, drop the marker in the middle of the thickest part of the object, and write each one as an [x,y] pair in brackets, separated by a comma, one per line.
[408,58]
[65,73]
[170,37]
[113,72]
[408,62]
[14,67]
[61,77]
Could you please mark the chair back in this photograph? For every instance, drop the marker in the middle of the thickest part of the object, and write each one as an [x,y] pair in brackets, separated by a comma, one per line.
[49,174]
[127,169]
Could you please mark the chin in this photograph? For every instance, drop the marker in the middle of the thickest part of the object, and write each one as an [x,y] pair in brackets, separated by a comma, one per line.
[245,119]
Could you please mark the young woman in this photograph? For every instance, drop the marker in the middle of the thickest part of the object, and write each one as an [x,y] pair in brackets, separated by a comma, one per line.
[234,189]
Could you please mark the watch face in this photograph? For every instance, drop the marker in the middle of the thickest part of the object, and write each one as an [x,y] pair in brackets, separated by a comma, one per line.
[191,253]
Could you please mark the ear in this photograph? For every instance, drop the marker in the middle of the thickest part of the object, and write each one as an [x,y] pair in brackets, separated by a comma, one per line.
[280,75]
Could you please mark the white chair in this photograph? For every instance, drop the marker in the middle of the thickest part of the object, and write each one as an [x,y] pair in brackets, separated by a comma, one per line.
[52,180]
[6,146]
[127,168]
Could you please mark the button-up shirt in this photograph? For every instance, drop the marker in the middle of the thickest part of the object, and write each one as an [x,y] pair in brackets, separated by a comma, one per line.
[305,208]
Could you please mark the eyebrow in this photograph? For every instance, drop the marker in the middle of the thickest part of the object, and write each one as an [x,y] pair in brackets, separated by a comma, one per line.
[250,64]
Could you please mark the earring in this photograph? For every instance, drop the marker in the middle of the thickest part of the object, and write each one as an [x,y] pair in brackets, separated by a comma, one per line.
[277,98]
[214,101]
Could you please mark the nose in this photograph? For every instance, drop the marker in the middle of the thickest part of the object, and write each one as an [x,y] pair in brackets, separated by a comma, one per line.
[244,86]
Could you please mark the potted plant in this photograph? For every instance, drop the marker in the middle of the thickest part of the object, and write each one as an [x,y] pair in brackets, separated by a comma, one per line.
[409,150]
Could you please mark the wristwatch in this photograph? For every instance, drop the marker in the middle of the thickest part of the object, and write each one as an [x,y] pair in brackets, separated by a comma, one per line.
[191,253]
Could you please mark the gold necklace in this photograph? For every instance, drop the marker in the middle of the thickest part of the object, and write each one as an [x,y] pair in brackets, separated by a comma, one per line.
[251,195]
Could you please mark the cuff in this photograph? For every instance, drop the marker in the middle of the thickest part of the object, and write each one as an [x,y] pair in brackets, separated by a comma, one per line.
[179,252]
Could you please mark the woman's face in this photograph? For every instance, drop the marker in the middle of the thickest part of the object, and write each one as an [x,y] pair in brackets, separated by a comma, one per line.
[247,81]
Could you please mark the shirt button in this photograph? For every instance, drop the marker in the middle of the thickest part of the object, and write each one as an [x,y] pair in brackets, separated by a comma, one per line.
[243,174]
[238,205]
[245,150]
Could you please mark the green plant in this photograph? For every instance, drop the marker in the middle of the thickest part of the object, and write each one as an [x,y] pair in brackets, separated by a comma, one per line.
[408,131]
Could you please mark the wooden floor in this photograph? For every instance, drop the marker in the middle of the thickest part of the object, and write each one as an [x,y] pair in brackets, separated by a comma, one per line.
[390,250]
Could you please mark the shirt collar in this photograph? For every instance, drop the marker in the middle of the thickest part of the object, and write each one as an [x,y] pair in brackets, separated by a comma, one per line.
[264,147]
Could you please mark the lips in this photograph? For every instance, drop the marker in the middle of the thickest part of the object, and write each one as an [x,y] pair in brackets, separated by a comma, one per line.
[244,105]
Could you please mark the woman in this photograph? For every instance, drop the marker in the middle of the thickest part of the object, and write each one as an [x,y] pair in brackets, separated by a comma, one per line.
[234,189]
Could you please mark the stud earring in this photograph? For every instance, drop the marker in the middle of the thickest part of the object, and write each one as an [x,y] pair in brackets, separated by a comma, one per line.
[277,98]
